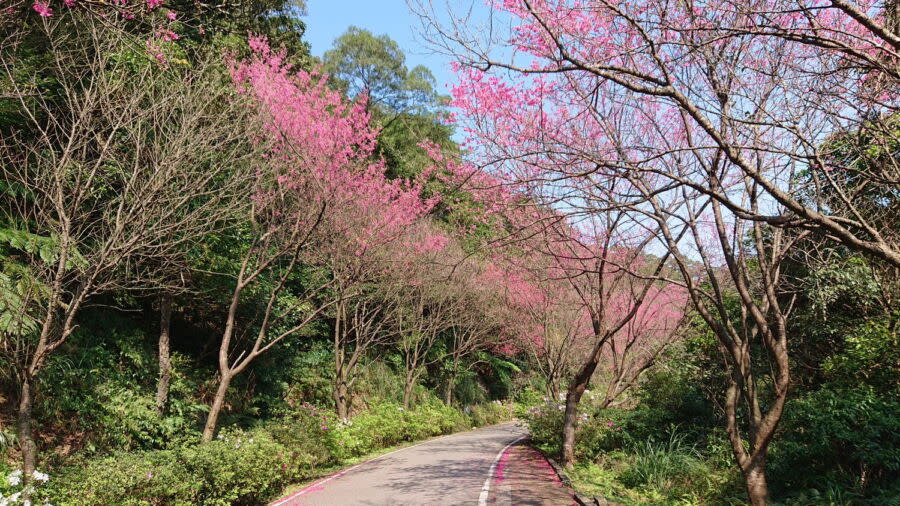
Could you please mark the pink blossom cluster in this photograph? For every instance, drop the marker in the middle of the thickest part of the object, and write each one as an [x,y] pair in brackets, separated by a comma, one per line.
[322,149]
[557,132]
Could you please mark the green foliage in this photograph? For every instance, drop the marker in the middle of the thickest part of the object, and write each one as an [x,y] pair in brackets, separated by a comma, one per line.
[654,476]
[469,388]
[595,431]
[238,468]
[545,423]
[402,101]
[387,424]
[871,354]
[298,377]
[663,464]
[849,438]
[361,62]
[526,399]
[490,413]
[32,244]
[103,390]
[306,432]
[666,469]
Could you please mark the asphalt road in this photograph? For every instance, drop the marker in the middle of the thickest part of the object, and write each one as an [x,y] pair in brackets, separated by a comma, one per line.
[445,471]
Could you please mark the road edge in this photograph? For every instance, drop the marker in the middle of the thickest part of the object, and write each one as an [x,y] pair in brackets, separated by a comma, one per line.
[337,474]
[486,488]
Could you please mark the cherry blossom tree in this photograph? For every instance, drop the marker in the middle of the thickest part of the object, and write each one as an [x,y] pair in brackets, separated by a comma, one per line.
[318,141]
[427,298]
[726,123]
[322,200]
[479,324]
[542,318]
[757,86]
[632,314]
[572,235]
[367,235]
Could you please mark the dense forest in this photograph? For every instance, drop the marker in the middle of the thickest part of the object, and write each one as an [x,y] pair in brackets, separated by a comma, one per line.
[664,235]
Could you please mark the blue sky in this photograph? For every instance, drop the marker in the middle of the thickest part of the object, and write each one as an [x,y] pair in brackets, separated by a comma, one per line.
[328,19]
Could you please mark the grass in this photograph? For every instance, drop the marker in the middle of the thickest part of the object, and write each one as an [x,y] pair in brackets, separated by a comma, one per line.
[667,472]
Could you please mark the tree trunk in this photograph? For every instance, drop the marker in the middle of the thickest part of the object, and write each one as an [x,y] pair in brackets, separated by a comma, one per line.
[165,363]
[553,390]
[342,399]
[571,415]
[340,391]
[573,397]
[212,419]
[26,442]
[755,479]
[448,390]
[407,391]
[451,382]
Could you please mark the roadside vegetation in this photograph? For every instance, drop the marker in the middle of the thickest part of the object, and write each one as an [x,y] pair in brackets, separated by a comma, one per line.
[669,244]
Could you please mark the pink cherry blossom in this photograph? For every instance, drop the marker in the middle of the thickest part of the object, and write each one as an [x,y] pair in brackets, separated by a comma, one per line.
[42,8]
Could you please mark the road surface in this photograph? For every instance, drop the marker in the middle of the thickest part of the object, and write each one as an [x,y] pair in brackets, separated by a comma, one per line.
[480,467]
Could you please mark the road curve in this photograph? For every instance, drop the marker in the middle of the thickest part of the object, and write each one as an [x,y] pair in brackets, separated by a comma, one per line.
[445,471]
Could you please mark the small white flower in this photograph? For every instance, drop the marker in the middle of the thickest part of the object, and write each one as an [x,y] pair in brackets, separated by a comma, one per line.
[14,478]
[39,476]
[399,409]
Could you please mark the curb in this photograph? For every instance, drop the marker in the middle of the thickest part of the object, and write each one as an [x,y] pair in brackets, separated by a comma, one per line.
[581,499]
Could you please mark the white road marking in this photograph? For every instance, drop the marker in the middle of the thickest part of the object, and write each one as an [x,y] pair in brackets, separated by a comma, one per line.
[486,488]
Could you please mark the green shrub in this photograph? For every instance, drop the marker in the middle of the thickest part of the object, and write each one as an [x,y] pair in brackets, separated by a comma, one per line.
[306,432]
[545,423]
[123,478]
[103,390]
[662,464]
[238,468]
[837,437]
[595,432]
[490,413]
[601,432]
[526,399]
[387,424]
[241,468]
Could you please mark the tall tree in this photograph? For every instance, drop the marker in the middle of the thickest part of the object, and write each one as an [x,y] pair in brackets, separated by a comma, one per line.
[402,101]
[323,191]
[760,84]
[375,66]
[118,172]
[713,115]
